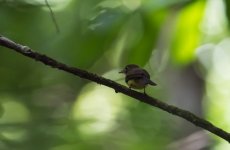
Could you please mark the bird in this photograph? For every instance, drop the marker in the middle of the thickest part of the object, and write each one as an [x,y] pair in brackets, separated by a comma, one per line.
[136,77]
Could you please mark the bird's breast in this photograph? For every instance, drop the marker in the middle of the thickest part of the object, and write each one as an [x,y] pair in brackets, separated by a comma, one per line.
[136,84]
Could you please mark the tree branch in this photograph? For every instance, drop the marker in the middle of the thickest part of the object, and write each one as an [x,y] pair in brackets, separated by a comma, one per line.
[26,51]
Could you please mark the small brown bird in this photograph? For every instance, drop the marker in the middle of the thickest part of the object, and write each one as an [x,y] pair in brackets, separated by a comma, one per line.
[136,77]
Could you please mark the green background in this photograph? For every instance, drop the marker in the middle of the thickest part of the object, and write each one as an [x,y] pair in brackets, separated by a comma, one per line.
[184,44]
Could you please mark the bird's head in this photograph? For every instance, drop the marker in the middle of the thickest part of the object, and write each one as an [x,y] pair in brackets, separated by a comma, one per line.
[129,68]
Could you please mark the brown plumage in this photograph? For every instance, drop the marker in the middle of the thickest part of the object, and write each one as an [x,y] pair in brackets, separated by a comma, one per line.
[137,77]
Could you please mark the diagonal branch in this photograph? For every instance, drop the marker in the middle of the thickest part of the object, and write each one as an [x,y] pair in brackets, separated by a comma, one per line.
[26,51]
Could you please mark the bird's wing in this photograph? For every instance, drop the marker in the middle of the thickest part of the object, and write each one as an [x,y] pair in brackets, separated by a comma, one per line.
[135,73]
[138,73]
[148,77]
[133,77]
[146,73]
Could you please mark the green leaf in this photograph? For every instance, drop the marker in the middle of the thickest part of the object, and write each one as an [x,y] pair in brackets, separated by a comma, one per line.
[187,34]
[143,29]
[227,9]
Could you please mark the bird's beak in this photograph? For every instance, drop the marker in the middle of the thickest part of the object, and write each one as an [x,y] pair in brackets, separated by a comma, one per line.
[122,71]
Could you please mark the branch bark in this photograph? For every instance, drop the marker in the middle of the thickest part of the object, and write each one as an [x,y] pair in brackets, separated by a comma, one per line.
[26,51]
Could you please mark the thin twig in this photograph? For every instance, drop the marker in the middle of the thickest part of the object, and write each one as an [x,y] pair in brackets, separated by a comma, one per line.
[52,16]
[26,51]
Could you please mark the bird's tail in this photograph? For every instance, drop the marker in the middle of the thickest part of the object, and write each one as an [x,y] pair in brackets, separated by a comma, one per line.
[152,83]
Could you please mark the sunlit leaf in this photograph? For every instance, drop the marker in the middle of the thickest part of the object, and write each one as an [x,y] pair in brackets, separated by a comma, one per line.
[187,33]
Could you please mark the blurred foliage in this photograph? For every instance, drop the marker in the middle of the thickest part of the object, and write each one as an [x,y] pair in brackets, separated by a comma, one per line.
[187,33]
[44,108]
